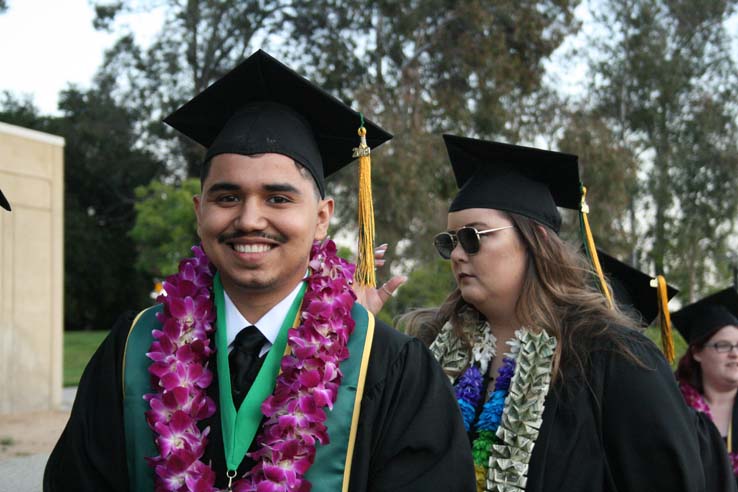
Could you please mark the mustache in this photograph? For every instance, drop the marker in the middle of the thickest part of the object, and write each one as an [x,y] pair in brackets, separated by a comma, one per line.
[227,236]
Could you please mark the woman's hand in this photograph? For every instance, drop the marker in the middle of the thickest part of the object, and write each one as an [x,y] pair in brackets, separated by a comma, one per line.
[373,299]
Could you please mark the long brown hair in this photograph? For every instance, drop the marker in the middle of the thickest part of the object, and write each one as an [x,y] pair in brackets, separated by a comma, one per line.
[558,295]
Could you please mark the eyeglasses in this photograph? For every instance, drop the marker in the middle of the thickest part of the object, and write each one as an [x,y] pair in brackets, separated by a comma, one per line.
[468,237]
[723,347]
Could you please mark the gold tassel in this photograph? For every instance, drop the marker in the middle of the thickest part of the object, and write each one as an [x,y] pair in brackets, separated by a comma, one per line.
[590,245]
[667,341]
[365,275]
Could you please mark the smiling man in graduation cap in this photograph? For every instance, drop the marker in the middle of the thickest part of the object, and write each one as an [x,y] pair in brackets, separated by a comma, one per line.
[266,374]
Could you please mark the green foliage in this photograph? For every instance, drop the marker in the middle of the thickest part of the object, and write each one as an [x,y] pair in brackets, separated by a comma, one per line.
[680,346]
[105,15]
[199,42]
[428,285]
[21,111]
[102,167]
[702,230]
[165,227]
[608,169]
[346,253]
[656,131]
[422,68]
[417,67]
[78,349]
[664,81]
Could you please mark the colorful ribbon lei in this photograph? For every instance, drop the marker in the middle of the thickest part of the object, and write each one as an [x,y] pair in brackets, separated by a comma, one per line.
[510,419]
[308,382]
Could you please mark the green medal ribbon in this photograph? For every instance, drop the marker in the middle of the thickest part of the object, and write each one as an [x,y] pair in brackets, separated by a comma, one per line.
[239,428]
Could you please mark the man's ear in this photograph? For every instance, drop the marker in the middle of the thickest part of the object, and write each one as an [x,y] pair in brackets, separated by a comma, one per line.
[325,212]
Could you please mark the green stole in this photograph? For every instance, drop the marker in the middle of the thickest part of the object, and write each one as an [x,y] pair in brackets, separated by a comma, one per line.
[332,467]
[239,427]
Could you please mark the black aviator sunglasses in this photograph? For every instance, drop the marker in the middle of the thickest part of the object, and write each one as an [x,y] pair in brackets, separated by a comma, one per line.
[467,236]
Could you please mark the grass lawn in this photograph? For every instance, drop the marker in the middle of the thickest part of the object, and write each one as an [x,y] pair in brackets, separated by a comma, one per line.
[78,348]
[80,345]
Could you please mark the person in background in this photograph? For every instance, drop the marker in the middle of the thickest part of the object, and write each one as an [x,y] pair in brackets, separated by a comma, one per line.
[708,371]
[645,299]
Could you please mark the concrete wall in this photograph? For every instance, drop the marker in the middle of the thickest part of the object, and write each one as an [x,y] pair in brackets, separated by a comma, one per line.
[31,269]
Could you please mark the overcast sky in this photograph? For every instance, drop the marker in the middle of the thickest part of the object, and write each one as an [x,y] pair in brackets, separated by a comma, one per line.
[47,44]
[42,54]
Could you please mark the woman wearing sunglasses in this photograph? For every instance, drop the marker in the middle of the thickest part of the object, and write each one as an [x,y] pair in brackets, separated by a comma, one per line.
[708,371]
[558,392]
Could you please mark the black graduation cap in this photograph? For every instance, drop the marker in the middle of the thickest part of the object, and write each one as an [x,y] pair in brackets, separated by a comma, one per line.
[264,106]
[699,320]
[522,180]
[634,290]
[4,202]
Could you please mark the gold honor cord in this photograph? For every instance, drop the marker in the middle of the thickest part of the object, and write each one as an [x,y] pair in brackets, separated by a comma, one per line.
[590,245]
[730,436]
[365,274]
[667,341]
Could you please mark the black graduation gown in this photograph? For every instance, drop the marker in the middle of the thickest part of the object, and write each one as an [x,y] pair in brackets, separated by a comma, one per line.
[734,436]
[624,428]
[715,444]
[718,472]
[410,434]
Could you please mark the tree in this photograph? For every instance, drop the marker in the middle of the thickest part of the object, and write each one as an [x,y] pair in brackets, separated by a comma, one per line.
[608,170]
[607,166]
[21,111]
[428,285]
[708,204]
[199,42]
[102,168]
[165,227]
[419,68]
[664,80]
[423,68]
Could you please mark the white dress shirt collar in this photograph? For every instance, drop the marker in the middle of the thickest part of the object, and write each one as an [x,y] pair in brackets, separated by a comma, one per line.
[268,325]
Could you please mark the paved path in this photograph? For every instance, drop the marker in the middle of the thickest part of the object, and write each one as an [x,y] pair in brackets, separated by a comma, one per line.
[22,474]
[25,473]
[68,395]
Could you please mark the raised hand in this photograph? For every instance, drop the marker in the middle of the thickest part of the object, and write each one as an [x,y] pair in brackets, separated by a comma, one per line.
[373,299]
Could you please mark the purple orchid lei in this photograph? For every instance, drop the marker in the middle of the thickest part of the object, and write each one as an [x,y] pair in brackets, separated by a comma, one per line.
[308,382]
[695,400]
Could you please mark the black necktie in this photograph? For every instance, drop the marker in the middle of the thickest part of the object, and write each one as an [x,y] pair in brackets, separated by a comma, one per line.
[244,362]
